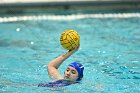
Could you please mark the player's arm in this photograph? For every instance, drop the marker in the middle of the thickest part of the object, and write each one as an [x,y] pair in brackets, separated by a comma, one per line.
[54,64]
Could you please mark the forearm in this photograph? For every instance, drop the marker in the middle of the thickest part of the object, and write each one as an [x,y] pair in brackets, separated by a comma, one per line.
[59,60]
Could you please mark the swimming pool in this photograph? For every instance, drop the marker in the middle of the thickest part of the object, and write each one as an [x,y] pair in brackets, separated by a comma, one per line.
[109,50]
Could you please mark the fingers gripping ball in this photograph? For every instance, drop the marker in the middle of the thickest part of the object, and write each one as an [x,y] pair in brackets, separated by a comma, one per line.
[69,39]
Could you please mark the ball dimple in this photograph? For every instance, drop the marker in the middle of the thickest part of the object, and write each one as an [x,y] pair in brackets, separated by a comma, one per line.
[69,39]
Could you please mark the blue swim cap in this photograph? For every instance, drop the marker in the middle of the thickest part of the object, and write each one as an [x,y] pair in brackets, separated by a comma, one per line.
[79,67]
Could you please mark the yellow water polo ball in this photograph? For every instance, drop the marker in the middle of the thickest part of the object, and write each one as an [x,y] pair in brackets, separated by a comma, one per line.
[70,39]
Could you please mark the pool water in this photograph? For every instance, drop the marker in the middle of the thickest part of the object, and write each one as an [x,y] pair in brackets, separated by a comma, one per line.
[109,50]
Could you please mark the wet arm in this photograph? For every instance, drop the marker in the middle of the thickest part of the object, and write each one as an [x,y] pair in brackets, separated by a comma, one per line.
[54,64]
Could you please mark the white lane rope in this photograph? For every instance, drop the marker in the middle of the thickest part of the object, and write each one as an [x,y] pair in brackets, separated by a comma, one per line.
[68,17]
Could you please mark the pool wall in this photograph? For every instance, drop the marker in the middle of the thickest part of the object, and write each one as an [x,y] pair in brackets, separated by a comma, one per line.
[19,5]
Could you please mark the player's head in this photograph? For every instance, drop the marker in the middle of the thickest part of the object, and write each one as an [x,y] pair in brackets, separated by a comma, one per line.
[74,71]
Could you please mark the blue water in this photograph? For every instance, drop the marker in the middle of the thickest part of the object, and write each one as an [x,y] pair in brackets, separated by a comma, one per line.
[109,50]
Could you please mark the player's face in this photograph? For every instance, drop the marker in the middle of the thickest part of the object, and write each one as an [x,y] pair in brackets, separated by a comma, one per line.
[71,74]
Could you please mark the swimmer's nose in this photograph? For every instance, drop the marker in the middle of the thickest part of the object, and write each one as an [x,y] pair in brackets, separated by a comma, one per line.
[68,73]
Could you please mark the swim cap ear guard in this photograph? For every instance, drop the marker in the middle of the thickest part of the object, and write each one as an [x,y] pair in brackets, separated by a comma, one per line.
[79,67]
